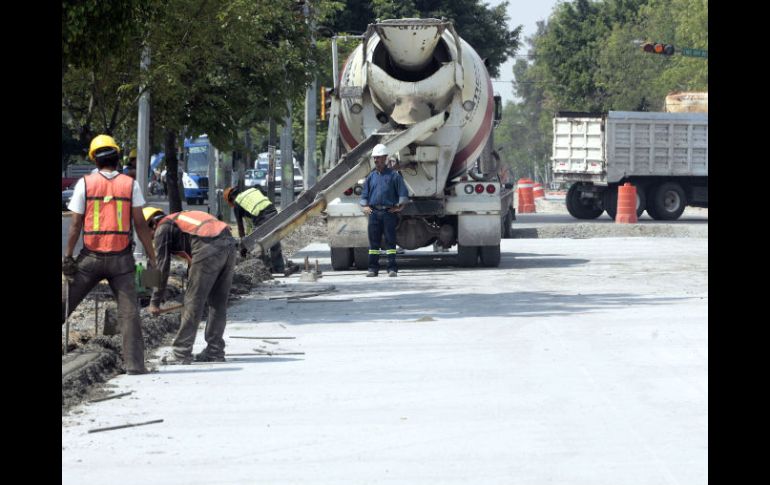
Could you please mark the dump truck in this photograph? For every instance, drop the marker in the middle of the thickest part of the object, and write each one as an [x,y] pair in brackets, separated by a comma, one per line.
[415,86]
[664,155]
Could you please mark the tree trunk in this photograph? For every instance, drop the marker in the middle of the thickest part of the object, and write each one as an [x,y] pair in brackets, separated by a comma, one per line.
[172,172]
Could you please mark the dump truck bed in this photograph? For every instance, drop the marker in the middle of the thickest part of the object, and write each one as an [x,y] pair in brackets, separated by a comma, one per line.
[606,149]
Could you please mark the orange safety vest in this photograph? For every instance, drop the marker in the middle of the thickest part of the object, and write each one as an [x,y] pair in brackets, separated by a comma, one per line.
[196,223]
[107,224]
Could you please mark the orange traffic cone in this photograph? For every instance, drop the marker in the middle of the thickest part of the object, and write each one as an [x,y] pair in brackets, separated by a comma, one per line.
[626,204]
[526,199]
[537,191]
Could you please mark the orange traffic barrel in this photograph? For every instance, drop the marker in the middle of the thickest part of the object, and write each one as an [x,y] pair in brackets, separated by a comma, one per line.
[526,199]
[538,192]
[626,204]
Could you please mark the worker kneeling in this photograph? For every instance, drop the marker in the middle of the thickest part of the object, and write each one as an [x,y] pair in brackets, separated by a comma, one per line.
[212,257]
[252,203]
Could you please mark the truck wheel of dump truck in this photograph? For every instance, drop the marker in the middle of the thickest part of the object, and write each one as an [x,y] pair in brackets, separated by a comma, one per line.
[650,207]
[578,209]
[610,201]
[361,257]
[507,232]
[342,258]
[669,201]
[641,201]
[467,256]
[490,256]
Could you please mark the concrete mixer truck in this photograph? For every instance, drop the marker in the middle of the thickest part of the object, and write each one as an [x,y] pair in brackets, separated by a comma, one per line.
[415,86]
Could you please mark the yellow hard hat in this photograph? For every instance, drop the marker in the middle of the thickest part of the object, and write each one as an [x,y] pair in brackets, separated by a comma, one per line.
[102,141]
[132,153]
[150,212]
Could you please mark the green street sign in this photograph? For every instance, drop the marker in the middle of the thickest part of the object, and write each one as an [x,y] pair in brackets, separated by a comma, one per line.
[694,52]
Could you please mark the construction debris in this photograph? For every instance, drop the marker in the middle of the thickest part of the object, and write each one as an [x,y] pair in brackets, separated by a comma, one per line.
[98,430]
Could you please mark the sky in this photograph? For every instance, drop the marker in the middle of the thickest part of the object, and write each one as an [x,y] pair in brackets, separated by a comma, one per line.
[526,13]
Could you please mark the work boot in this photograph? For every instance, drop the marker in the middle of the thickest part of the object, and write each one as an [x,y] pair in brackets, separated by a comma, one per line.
[173,359]
[371,274]
[206,357]
[392,274]
[134,372]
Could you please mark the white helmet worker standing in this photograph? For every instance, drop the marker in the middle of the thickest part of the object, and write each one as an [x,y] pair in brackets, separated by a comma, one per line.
[380,150]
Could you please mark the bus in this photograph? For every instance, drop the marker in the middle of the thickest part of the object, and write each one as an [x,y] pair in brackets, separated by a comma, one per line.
[199,156]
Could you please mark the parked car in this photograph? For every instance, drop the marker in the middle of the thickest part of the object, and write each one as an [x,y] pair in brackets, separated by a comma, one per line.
[298,181]
[254,177]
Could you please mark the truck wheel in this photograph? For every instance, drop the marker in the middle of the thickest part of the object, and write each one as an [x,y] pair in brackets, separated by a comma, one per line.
[467,256]
[650,207]
[669,201]
[490,256]
[641,201]
[610,201]
[342,258]
[507,232]
[361,257]
[189,200]
[577,208]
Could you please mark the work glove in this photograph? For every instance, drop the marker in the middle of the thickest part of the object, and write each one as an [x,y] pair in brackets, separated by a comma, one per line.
[69,267]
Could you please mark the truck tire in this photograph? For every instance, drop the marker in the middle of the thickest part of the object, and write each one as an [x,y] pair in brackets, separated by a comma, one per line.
[507,232]
[610,201]
[342,258]
[577,209]
[650,207]
[467,256]
[190,200]
[641,201]
[361,258]
[490,256]
[669,201]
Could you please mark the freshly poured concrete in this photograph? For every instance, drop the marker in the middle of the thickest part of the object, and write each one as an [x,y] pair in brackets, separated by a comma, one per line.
[574,362]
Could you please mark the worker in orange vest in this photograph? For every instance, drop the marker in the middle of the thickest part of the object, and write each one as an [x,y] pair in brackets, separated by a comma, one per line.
[107,206]
[211,250]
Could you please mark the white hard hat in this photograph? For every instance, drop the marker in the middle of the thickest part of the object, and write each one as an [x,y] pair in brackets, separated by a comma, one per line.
[379,150]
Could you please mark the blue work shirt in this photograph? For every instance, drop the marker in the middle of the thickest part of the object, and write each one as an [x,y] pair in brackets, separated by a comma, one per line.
[386,188]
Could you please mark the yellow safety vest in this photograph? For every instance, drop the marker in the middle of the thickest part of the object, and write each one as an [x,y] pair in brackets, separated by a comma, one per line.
[252,201]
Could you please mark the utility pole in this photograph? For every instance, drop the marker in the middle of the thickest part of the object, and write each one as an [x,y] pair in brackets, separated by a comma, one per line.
[287,161]
[142,142]
[310,117]
[271,161]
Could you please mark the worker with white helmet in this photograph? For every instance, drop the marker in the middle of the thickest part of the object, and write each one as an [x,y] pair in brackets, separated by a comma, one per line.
[383,197]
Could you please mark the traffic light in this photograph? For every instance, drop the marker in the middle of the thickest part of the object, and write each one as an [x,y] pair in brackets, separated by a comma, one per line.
[326,101]
[658,48]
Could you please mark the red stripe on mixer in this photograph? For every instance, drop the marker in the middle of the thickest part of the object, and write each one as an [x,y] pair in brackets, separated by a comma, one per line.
[480,136]
[347,136]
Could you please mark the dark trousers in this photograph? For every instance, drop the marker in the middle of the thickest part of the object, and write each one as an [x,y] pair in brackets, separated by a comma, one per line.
[382,221]
[118,270]
[276,253]
[209,284]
